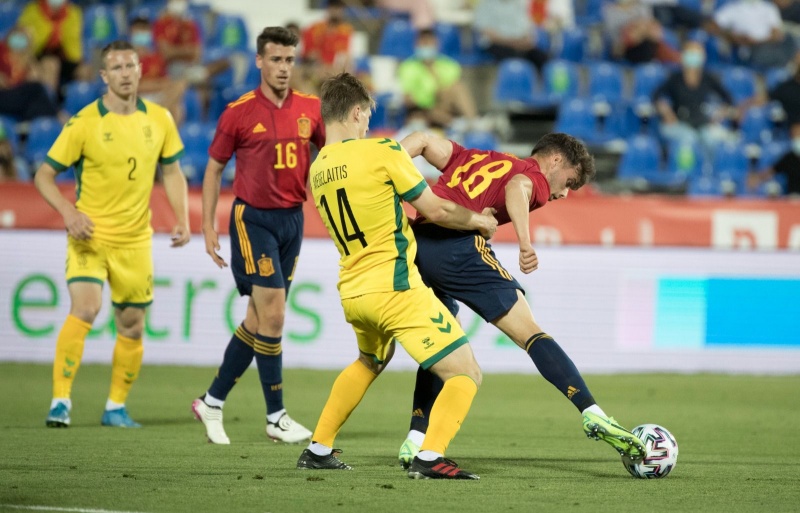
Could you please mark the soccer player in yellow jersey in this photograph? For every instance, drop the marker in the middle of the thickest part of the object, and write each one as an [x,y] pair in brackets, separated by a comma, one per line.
[358,186]
[114,144]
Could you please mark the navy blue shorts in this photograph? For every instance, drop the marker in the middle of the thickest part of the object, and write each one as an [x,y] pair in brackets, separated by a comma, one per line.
[462,266]
[265,245]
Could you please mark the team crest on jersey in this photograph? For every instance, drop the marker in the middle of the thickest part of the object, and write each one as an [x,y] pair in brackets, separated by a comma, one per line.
[148,136]
[265,267]
[304,127]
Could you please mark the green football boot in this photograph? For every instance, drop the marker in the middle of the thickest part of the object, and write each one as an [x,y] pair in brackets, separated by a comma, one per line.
[606,429]
[408,451]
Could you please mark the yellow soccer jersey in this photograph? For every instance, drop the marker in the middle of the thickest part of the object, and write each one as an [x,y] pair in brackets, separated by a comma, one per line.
[115,159]
[358,186]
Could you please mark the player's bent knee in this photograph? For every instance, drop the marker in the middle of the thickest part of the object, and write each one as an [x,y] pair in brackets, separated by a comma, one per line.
[85,312]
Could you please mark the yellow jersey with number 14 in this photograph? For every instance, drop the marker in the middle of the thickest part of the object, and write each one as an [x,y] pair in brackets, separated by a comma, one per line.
[115,158]
[358,188]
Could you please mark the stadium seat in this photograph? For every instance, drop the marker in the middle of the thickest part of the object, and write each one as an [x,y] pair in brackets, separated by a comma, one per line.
[773,77]
[740,82]
[42,134]
[449,40]
[703,186]
[193,166]
[731,159]
[692,5]
[223,97]
[572,45]
[516,79]
[575,117]
[192,105]
[671,39]
[9,12]
[561,81]
[588,12]
[685,158]
[473,53]
[756,126]
[772,152]
[99,25]
[641,159]
[79,94]
[9,128]
[225,78]
[398,39]
[646,79]
[197,137]
[230,32]
[229,172]
[481,140]
[605,82]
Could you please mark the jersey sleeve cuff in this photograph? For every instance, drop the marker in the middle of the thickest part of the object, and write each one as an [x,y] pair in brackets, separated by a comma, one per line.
[58,166]
[415,191]
[170,160]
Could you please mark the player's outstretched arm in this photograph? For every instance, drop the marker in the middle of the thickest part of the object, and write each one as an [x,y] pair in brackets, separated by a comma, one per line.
[518,197]
[78,224]
[211,184]
[178,196]
[446,213]
[434,149]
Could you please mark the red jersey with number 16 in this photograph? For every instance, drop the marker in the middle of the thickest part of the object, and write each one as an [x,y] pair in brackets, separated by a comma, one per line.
[476,179]
[271,146]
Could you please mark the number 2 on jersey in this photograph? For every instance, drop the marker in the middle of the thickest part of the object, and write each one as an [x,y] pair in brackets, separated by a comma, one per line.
[343,205]
[486,173]
[287,155]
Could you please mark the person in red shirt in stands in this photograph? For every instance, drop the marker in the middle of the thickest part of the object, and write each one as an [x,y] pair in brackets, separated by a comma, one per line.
[22,95]
[177,37]
[270,130]
[326,44]
[155,84]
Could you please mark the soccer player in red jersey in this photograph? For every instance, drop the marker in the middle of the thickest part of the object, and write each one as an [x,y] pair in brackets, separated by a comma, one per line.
[514,187]
[270,130]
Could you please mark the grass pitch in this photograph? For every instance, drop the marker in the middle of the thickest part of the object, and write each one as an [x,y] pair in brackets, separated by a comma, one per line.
[738,449]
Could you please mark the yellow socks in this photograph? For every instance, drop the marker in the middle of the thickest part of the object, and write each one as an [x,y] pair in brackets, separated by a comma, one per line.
[69,350]
[448,412]
[125,367]
[348,390]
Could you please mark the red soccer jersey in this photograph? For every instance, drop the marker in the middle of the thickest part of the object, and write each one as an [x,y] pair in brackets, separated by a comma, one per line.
[476,179]
[176,31]
[271,145]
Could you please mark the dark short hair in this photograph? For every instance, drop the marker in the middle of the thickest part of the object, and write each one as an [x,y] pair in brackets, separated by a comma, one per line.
[426,32]
[139,21]
[117,45]
[340,93]
[278,35]
[571,149]
[336,3]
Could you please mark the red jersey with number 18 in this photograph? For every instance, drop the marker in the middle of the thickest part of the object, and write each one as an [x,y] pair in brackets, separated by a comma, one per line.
[476,179]
[271,146]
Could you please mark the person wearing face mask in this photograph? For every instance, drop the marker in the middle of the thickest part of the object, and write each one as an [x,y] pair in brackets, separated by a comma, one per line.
[431,84]
[55,28]
[326,44]
[155,84]
[684,102]
[22,95]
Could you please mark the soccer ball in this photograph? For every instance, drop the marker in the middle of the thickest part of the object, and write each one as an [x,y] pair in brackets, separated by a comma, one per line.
[661,453]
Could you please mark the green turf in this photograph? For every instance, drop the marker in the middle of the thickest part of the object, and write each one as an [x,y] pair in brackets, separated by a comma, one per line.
[736,436]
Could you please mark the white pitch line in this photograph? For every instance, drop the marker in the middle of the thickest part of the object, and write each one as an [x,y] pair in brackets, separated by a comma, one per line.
[55,508]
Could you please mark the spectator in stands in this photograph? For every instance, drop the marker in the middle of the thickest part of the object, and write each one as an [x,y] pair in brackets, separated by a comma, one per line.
[506,31]
[326,44]
[671,13]
[177,39]
[552,15]
[787,93]
[22,95]
[55,27]
[635,34]
[8,168]
[790,10]
[788,167]
[421,11]
[431,83]
[754,27]
[685,99]
[156,84]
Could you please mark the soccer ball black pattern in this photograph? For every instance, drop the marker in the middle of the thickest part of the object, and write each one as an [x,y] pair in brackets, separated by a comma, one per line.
[662,453]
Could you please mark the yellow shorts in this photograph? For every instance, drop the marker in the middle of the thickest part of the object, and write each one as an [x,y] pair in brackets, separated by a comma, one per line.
[415,318]
[129,271]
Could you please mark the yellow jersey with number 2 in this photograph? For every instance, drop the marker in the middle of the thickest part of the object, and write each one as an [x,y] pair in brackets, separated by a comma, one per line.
[358,187]
[115,158]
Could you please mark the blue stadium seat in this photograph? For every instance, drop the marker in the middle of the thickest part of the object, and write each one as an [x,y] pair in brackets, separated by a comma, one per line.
[99,25]
[79,94]
[474,54]
[588,12]
[229,172]
[223,97]
[481,140]
[731,159]
[192,105]
[641,159]
[773,77]
[646,79]
[230,32]
[575,117]
[516,79]
[605,82]
[772,152]
[740,82]
[193,166]
[398,39]
[197,137]
[692,5]
[561,81]
[685,158]
[215,53]
[704,186]
[449,40]
[9,127]
[9,12]
[42,134]
[756,125]
[671,39]
[572,45]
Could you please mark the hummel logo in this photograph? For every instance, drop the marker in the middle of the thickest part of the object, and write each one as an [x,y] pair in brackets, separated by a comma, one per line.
[106,136]
[259,128]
